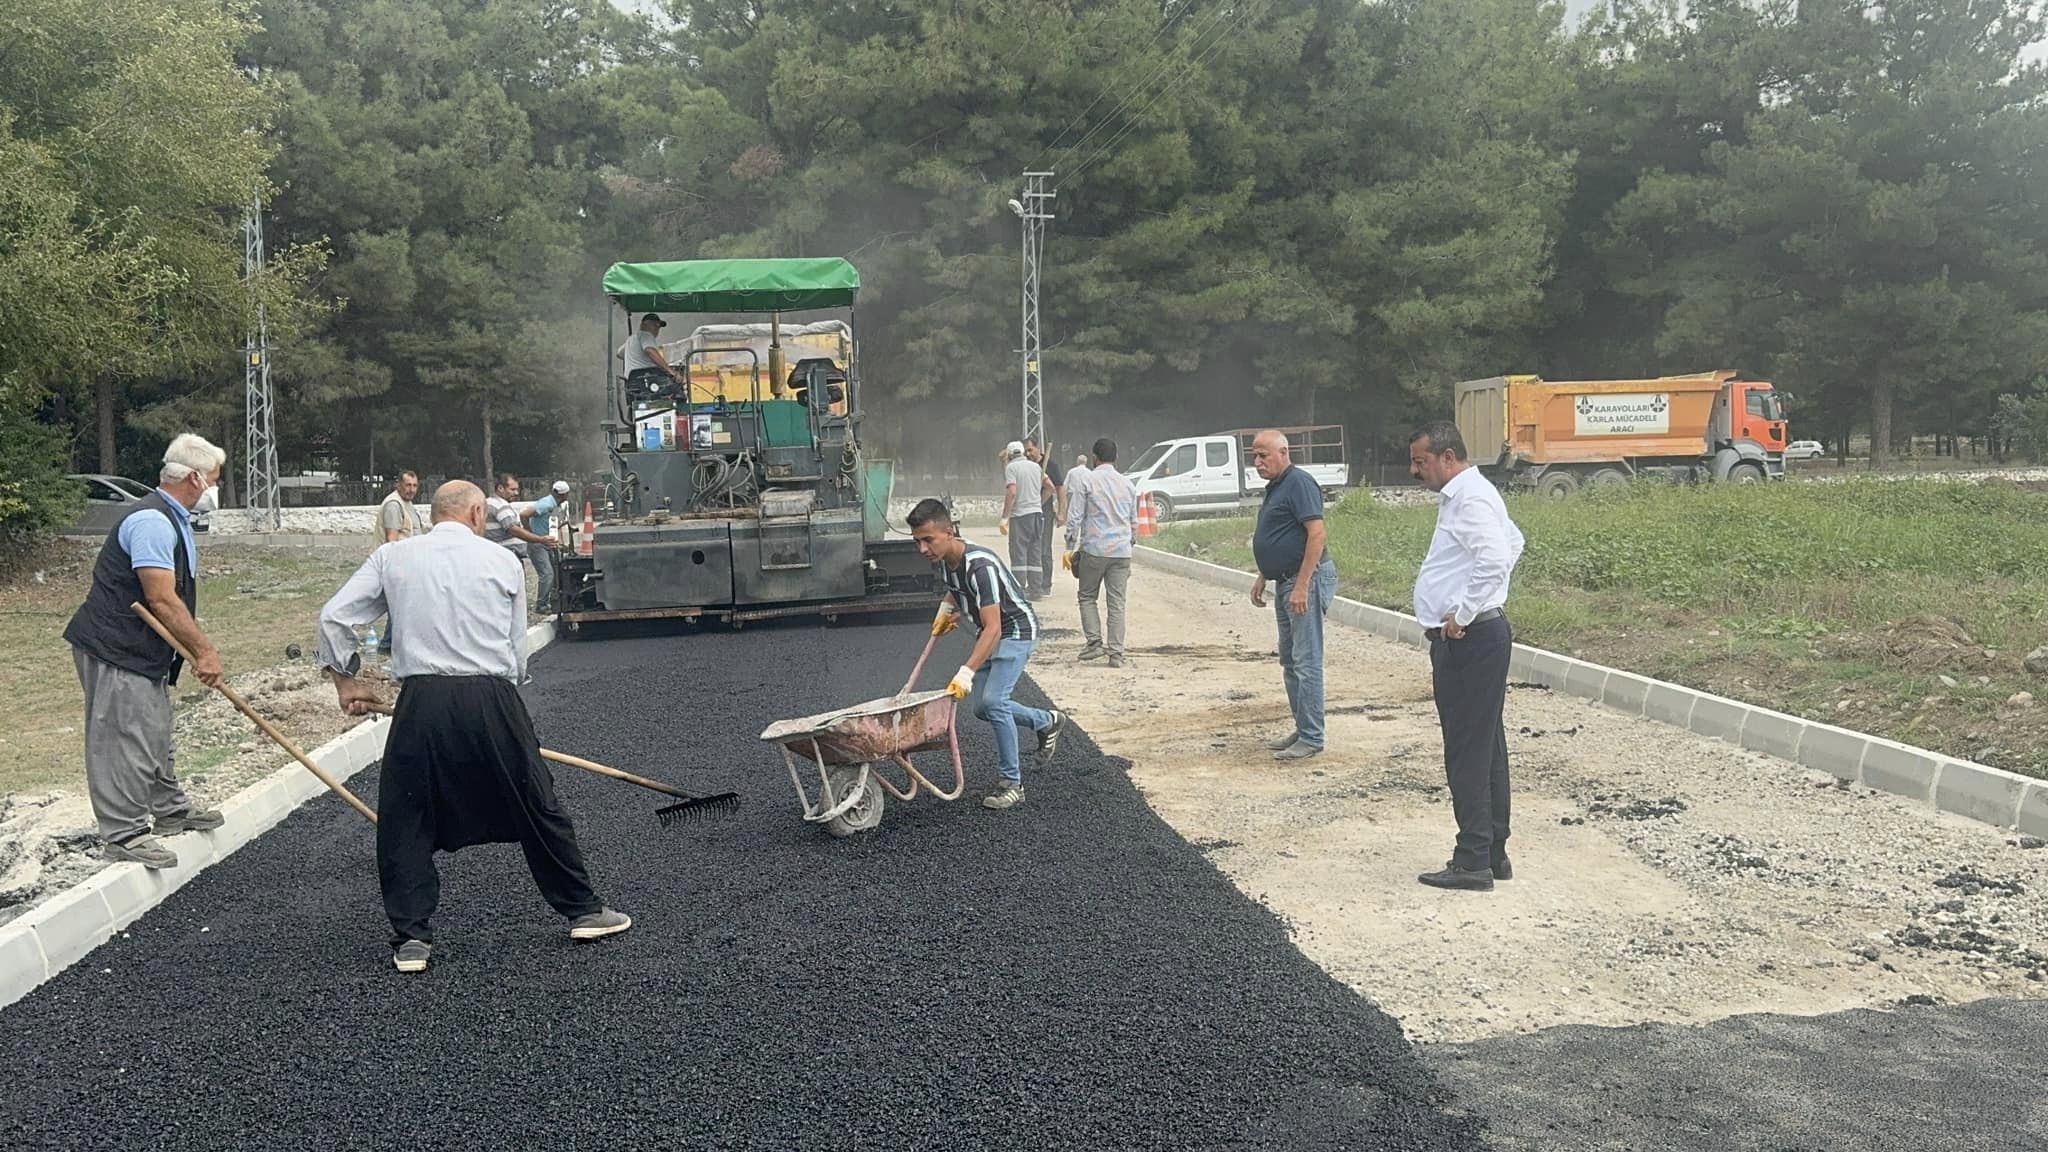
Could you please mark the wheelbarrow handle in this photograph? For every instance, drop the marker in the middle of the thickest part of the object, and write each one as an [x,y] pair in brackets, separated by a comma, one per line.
[919,667]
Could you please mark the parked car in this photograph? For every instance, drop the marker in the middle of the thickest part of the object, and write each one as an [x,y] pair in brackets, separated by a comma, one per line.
[108,498]
[1805,450]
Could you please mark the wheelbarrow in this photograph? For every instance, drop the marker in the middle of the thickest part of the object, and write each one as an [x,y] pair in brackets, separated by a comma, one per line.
[848,747]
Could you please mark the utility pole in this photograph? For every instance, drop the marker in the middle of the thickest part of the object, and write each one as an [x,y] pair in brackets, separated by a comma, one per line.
[1034,211]
[259,441]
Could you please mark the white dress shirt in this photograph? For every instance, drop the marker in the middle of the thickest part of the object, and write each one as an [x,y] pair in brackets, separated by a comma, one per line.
[457,604]
[1470,557]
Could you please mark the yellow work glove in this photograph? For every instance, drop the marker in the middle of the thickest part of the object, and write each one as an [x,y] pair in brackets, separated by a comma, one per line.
[1067,561]
[1003,526]
[947,619]
[962,683]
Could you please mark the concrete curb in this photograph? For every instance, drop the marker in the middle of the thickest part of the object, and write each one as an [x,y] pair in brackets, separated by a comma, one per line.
[65,928]
[1993,796]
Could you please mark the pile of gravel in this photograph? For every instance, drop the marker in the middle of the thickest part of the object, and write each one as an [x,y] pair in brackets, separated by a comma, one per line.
[1070,974]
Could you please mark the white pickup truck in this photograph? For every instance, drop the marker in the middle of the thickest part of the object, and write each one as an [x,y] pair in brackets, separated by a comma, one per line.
[1215,473]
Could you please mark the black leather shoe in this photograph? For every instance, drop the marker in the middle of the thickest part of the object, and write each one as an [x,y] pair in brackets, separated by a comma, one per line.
[1464,880]
[1502,869]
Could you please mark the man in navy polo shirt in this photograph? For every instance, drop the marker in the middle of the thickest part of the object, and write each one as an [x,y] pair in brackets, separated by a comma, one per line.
[1288,549]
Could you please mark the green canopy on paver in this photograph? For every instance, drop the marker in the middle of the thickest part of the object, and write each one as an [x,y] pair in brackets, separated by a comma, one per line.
[733,285]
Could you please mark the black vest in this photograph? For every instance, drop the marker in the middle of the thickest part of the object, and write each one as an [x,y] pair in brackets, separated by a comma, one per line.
[107,628]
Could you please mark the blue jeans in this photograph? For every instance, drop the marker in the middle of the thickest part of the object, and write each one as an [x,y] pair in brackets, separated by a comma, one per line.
[1301,649]
[544,568]
[991,702]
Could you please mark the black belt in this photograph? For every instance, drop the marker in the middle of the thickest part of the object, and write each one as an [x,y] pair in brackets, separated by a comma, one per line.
[1435,634]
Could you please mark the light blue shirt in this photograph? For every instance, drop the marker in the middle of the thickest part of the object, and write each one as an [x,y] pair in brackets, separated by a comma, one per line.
[148,540]
[543,512]
[1101,507]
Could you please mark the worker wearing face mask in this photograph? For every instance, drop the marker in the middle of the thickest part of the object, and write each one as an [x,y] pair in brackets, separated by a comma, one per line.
[127,670]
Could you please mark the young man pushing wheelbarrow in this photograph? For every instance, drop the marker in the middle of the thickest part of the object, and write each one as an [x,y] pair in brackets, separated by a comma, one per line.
[980,586]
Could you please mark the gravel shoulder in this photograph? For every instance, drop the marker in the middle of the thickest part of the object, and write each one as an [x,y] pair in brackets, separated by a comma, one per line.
[1660,877]
[1950,1079]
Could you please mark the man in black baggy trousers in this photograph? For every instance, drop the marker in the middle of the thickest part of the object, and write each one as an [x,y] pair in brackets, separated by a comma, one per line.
[1460,600]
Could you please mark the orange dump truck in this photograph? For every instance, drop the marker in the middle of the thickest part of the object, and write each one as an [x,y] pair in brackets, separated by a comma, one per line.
[1559,436]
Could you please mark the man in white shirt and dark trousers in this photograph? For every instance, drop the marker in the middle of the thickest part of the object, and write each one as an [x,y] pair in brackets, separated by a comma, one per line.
[1460,597]
[462,765]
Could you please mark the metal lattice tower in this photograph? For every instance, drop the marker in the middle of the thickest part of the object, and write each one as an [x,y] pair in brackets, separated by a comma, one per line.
[259,442]
[1034,211]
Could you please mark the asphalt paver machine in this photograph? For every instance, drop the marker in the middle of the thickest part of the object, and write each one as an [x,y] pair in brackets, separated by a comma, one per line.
[739,488]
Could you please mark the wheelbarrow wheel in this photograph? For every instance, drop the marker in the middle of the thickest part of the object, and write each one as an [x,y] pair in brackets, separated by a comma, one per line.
[865,813]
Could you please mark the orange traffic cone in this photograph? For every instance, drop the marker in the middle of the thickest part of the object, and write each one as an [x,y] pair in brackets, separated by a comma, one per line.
[588,540]
[1148,521]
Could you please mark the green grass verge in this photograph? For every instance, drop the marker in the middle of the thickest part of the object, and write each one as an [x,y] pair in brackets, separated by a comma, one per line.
[1793,596]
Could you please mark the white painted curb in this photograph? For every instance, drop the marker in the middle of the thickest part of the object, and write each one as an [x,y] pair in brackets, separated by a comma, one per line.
[60,931]
[1989,795]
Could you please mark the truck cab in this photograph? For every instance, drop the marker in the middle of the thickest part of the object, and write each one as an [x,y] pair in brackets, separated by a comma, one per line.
[1215,473]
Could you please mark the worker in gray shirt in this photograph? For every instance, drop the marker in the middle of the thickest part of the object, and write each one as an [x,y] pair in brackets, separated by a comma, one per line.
[505,524]
[462,765]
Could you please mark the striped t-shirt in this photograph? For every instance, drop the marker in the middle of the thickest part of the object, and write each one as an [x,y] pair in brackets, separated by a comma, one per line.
[983,579]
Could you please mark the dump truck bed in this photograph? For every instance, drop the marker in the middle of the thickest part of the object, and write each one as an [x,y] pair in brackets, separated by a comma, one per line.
[1512,420]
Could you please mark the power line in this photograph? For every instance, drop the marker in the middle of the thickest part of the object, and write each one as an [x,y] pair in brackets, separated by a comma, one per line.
[1215,43]
[1214,16]
[1160,31]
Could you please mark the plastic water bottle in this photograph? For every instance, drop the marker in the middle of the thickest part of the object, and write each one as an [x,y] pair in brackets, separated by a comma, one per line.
[370,637]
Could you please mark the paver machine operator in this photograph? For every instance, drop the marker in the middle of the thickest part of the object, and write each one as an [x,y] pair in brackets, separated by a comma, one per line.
[739,488]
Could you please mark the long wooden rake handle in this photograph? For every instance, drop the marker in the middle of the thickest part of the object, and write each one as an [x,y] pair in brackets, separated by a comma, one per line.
[589,766]
[283,741]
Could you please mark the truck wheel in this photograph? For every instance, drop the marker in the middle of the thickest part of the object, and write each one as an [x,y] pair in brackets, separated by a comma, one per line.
[1557,485]
[1162,509]
[1607,478]
[1746,474]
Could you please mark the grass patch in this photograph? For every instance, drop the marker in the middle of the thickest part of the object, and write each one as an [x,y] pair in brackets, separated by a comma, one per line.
[252,601]
[1901,608]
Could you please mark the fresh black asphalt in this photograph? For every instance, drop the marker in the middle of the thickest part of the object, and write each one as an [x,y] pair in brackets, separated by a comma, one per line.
[1067,975]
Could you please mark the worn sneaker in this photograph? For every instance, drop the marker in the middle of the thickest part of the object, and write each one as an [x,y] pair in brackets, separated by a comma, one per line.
[145,850]
[1009,796]
[411,956]
[190,820]
[1093,652]
[1049,740]
[1299,750]
[605,922]
[1283,743]
[1116,661]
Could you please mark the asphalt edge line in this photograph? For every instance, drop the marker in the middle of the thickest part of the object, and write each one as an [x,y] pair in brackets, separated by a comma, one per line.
[64,929]
[2003,800]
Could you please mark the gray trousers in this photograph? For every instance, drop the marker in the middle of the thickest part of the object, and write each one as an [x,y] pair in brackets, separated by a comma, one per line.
[129,769]
[1027,544]
[1095,573]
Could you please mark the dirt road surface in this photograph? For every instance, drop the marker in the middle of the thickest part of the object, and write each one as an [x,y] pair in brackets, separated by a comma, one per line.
[1659,876]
